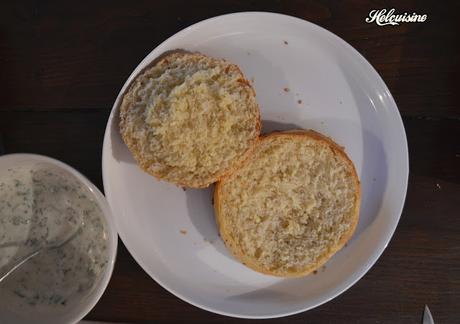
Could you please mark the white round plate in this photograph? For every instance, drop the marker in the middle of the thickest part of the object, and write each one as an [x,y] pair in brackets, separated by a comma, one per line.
[305,77]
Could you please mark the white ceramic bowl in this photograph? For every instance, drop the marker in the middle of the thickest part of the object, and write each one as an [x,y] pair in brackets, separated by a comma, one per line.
[76,312]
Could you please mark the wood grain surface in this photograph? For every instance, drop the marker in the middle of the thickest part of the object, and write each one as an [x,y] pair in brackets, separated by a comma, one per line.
[63,63]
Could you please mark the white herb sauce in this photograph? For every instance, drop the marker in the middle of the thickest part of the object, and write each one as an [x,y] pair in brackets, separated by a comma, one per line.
[39,205]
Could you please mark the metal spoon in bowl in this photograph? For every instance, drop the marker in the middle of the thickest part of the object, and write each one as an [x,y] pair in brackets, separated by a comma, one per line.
[50,246]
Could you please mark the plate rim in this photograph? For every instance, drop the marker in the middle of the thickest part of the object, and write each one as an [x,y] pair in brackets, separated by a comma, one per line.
[400,126]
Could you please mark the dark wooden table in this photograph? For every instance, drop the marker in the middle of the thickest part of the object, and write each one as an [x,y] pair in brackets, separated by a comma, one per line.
[63,63]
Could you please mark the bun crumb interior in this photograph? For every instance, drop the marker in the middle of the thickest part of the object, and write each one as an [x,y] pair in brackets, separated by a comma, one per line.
[291,206]
[190,119]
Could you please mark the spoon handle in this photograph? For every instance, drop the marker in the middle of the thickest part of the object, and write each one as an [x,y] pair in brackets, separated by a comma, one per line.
[34,253]
[20,263]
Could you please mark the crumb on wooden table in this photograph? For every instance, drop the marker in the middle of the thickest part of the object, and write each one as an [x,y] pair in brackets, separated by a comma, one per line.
[315,271]
[2,146]
[182,231]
